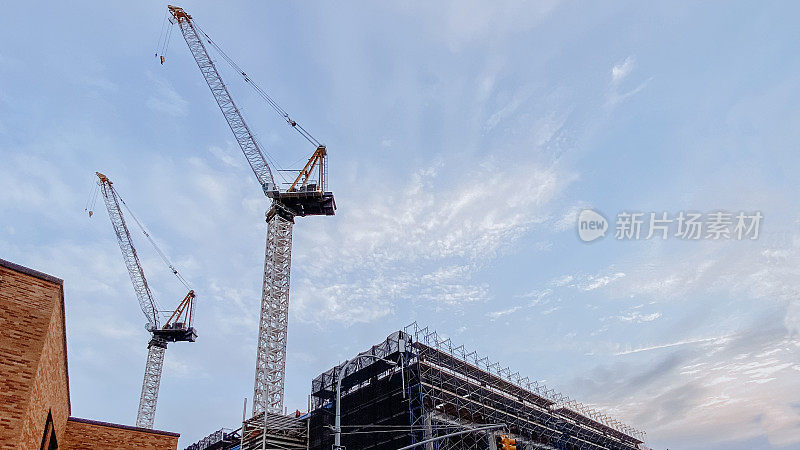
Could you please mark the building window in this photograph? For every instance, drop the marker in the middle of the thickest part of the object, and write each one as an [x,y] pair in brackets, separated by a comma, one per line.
[49,436]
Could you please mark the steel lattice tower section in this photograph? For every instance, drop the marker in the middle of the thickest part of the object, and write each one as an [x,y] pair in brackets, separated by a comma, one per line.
[273,324]
[152,380]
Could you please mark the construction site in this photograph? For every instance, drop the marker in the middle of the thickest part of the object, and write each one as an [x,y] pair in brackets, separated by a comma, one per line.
[417,390]
[413,389]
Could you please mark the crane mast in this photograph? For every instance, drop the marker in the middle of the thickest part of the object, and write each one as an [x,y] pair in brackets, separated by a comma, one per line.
[303,197]
[177,327]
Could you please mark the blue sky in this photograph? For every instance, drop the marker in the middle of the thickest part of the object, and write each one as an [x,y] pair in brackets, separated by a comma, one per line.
[463,138]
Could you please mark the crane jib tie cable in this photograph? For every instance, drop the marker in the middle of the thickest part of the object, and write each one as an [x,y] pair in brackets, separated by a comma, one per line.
[155,246]
[282,112]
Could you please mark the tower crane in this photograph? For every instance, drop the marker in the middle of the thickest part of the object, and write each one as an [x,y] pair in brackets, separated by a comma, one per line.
[305,196]
[177,328]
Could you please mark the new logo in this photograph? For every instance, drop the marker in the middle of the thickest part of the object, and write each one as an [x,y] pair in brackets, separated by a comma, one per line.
[591,225]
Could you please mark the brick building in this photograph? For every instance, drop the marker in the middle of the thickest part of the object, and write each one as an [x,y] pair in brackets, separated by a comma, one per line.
[34,379]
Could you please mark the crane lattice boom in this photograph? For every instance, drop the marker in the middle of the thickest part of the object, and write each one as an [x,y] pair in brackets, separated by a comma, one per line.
[146,300]
[232,115]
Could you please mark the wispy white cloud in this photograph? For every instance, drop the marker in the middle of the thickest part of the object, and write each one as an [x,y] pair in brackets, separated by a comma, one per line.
[620,71]
[584,282]
[494,315]
[639,317]
[536,296]
[628,351]
[230,155]
[615,97]
[595,282]
[463,22]
[736,380]
[166,99]
[399,244]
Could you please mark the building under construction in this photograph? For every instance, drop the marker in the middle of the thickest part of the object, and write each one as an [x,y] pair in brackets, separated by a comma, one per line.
[415,386]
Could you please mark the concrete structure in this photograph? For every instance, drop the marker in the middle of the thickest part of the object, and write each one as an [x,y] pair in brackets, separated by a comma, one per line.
[34,378]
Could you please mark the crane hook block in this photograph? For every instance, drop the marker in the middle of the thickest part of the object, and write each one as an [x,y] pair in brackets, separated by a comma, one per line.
[163,59]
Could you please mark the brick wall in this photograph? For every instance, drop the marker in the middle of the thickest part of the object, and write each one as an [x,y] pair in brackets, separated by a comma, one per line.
[85,434]
[34,377]
[33,368]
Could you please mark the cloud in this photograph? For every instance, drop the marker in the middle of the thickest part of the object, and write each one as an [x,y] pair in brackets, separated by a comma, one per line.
[596,282]
[166,99]
[730,381]
[460,23]
[494,315]
[728,388]
[669,345]
[586,283]
[399,245]
[615,97]
[638,317]
[569,219]
[537,296]
[230,155]
[620,71]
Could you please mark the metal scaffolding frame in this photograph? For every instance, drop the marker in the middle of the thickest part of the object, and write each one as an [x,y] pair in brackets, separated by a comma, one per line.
[439,388]
[222,439]
[274,432]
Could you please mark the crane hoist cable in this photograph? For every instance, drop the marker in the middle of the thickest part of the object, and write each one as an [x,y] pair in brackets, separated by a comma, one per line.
[94,192]
[161,35]
[164,38]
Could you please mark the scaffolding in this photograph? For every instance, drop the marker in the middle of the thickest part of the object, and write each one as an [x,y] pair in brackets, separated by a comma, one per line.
[270,432]
[425,387]
[219,440]
[274,432]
